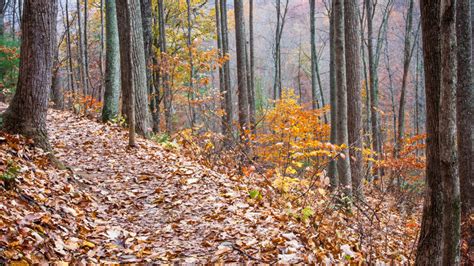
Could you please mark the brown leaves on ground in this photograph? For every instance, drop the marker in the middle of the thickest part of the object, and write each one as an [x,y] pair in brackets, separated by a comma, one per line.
[147,204]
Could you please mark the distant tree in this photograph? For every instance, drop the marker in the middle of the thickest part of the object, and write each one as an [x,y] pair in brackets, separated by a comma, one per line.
[133,65]
[251,70]
[3,7]
[82,50]
[164,75]
[27,111]
[280,24]
[112,64]
[408,51]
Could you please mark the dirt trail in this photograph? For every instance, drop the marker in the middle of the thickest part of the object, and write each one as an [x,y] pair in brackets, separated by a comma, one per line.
[149,204]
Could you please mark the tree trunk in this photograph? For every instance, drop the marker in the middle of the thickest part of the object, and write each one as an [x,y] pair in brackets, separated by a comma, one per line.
[226,72]
[447,135]
[145,7]
[406,68]
[376,139]
[80,40]
[27,111]
[429,251]
[86,51]
[191,93]
[164,75]
[112,64]
[241,69]
[57,93]
[251,71]
[465,105]
[343,164]
[354,95]
[69,51]
[2,14]
[133,65]
[332,169]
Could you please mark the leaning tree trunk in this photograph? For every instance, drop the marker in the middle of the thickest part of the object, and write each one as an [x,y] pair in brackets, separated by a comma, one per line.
[354,96]
[27,112]
[112,64]
[429,251]
[447,136]
[343,164]
[132,62]
[465,105]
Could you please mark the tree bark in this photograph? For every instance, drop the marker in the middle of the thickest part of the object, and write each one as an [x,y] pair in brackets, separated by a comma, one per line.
[430,243]
[133,66]
[332,169]
[376,138]
[354,96]
[251,70]
[191,93]
[145,7]
[226,72]
[164,75]
[343,164]
[27,112]
[69,51]
[447,135]
[241,69]
[465,105]
[112,64]
[80,40]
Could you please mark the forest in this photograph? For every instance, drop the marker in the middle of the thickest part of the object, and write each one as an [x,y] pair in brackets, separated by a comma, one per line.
[320,132]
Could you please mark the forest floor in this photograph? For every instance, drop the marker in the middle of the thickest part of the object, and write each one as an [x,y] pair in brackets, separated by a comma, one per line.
[149,204]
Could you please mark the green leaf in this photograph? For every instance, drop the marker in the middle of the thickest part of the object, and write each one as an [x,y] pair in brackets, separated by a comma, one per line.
[254,194]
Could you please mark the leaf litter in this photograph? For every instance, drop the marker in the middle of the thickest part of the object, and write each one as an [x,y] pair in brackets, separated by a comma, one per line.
[116,204]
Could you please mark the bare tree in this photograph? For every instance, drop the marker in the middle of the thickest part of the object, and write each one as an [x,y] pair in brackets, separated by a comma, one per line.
[280,24]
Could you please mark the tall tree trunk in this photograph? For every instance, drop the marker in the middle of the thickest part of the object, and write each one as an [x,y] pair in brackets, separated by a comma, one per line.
[2,15]
[226,72]
[86,51]
[406,68]
[465,105]
[376,138]
[80,40]
[57,93]
[69,51]
[191,93]
[112,64]
[332,169]
[429,251]
[145,7]
[27,112]
[354,96]
[221,74]
[164,74]
[447,135]
[133,65]
[343,164]
[251,70]
[241,69]
[315,78]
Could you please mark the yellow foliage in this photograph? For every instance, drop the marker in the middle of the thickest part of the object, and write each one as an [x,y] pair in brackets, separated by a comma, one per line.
[296,137]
